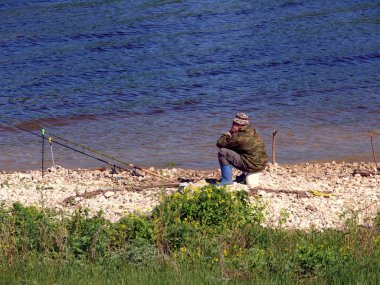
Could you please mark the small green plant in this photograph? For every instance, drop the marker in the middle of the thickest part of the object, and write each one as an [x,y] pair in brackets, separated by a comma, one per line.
[284,215]
[140,252]
[42,188]
[86,234]
[4,184]
[208,210]
[350,218]
[129,228]
[319,258]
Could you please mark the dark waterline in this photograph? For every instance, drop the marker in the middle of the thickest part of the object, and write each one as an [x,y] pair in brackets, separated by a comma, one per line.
[156,82]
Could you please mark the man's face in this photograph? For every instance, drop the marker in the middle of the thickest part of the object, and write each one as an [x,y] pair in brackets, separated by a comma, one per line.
[235,127]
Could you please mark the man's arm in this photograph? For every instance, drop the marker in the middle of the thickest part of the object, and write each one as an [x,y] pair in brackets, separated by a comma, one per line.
[228,140]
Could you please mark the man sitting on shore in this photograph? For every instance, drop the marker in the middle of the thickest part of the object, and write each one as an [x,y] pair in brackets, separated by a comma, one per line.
[241,147]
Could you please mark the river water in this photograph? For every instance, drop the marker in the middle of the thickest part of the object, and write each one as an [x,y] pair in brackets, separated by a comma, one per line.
[155,83]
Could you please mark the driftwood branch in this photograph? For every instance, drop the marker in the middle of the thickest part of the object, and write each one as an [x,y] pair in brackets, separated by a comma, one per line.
[87,195]
[274,146]
[373,153]
[368,206]
[300,194]
[253,191]
[364,173]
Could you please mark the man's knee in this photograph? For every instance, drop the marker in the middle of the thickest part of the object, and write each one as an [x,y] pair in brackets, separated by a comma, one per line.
[222,152]
[222,158]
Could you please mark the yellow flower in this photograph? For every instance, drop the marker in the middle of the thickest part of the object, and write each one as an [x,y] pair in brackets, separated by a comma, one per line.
[176,195]
[376,240]
[183,249]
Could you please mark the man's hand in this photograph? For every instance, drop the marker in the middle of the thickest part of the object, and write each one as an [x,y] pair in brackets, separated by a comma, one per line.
[234,128]
[228,134]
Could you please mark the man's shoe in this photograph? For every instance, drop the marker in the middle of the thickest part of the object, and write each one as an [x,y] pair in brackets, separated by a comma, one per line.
[241,178]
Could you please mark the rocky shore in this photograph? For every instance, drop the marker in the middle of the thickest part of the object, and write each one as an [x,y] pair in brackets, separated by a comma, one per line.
[305,196]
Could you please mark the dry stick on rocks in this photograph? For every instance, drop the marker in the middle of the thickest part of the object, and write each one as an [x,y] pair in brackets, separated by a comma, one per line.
[367,206]
[300,194]
[91,194]
[254,191]
[274,146]
[373,152]
[42,152]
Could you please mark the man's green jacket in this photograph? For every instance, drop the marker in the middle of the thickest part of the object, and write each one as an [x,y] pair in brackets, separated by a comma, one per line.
[249,145]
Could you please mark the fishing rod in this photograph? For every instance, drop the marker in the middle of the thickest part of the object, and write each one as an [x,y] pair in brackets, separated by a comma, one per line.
[106,155]
[66,146]
[89,149]
[94,151]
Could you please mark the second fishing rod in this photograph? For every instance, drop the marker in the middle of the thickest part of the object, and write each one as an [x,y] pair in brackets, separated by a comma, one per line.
[105,155]
[43,133]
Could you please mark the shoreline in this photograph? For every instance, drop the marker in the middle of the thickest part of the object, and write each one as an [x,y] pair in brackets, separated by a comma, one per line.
[137,192]
[290,149]
[363,159]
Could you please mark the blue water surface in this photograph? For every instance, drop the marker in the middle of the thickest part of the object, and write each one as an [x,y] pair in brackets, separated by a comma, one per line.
[157,82]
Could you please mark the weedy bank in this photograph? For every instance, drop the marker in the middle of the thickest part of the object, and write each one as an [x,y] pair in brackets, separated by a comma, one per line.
[203,235]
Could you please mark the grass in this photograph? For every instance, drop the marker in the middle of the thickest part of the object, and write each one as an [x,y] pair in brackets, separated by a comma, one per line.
[197,236]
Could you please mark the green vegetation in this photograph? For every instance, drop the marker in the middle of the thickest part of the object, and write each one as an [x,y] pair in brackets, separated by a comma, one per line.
[194,236]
